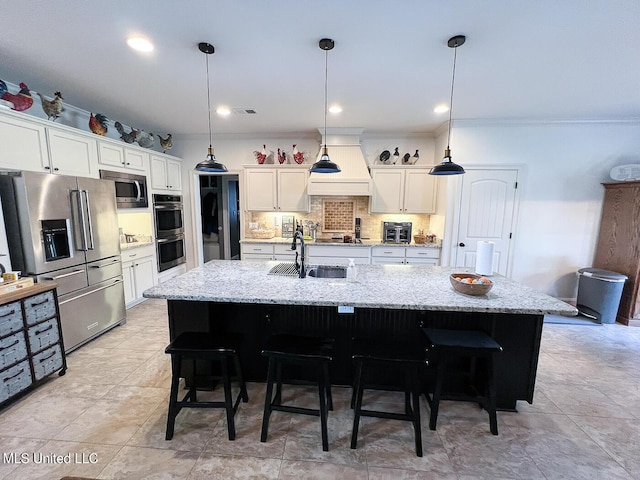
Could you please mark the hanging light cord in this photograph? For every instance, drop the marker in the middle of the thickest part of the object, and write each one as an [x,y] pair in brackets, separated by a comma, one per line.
[326,76]
[209,101]
[453,79]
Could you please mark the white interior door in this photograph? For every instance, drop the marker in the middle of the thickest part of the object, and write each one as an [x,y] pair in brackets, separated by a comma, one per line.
[487,209]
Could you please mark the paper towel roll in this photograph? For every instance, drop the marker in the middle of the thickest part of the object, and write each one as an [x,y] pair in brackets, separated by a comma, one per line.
[484,258]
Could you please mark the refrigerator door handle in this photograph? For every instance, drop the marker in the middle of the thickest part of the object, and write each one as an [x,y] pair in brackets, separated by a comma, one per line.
[139,196]
[115,260]
[56,277]
[91,245]
[104,287]
[79,227]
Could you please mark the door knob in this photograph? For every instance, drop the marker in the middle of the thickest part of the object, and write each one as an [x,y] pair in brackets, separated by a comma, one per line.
[461,244]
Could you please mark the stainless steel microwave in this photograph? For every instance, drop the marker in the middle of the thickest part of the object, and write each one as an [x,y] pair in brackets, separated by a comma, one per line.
[131,190]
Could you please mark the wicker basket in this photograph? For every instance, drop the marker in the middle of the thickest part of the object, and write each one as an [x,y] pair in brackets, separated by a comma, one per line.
[420,239]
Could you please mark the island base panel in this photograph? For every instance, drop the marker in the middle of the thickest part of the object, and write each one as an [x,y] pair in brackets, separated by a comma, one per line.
[515,368]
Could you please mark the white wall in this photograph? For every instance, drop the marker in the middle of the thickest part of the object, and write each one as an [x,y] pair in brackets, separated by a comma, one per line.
[561,196]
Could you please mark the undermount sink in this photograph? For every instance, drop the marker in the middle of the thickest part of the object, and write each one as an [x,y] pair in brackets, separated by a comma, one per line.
[327,240]
[328,271]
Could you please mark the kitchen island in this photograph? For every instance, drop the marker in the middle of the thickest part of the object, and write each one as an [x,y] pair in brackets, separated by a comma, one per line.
[386,301]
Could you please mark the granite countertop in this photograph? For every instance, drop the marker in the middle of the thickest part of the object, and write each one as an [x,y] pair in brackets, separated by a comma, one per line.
[130,245]
[409,287]
[365,243]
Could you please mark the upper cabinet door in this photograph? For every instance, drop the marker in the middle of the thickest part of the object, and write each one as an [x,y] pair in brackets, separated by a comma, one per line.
[72,154]
[24,145]
[112,155]
[158,173]
[419,191]
[388,188]
[174,175]
[292,190]
[135,160]
[261,189]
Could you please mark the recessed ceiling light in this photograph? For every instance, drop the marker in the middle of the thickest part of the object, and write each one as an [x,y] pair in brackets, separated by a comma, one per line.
[441,108]
[335,109]
[140,44]
[223,111]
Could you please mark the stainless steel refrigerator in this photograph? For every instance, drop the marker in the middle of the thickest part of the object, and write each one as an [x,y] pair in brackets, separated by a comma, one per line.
[65,229]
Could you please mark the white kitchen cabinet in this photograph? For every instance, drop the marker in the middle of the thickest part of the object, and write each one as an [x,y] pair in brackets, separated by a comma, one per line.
[337,255]
[399,255]
[113,155]
[24,145]
[71,154]
[281,189]
[403,189]
[165,174]
[138,270]
[265,251]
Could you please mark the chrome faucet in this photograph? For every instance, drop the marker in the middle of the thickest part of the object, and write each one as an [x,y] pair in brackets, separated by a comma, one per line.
[300,267]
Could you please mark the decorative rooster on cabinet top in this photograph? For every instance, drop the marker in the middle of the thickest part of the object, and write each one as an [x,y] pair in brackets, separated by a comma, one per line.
[21,101]
[144,139]
[98,124]
[126,137]
[298,156]
[52,108]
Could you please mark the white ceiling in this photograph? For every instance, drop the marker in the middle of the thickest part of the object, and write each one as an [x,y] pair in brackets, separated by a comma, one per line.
[533,60]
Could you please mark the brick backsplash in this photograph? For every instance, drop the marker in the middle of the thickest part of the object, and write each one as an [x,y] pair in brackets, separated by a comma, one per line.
[342,211]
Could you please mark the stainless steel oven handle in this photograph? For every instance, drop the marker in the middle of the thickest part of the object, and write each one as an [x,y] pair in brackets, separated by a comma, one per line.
[89,293]
[165,240]
[56,277]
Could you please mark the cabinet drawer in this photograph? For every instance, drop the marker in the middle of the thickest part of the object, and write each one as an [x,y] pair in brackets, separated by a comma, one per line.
[12,349]
[46,362]
[14,380]
[10,318]
[338,251]
[39,307]
[44,334]
[256,256]
[421,252]
[387,252]
[260,248]
[284,249]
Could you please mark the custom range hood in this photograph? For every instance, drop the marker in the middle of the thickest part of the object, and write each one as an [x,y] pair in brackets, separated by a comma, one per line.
[354,179]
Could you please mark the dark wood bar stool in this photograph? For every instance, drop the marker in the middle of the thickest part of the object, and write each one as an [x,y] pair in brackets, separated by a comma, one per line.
[452,345]
[309,352]
[221,348]
[403,358]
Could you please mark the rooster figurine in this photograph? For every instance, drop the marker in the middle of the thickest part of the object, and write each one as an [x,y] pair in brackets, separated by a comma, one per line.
[406,158]
[21,101]
[281,157]
[144,139]
[52,108]
[297,155]
[166,143]
[261,156]
[396,156]
[126,137]
[98,124]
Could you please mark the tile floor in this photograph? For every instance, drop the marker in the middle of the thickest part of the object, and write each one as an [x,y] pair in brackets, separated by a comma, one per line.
[108,415]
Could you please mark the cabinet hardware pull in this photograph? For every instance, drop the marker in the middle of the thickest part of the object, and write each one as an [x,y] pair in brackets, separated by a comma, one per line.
[93,325]
[47,358]
[38,332]
[104,264]
[13,376]
[9,346]
[46,300]
[8,313]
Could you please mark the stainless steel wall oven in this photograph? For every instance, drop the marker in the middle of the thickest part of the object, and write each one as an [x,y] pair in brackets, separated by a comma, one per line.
[168,217]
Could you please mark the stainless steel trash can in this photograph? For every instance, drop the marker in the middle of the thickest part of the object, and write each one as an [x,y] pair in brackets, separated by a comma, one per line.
[599,293]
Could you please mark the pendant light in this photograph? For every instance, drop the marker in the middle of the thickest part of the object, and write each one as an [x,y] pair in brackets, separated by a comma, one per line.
[325,165]
[210,164]
[447,167]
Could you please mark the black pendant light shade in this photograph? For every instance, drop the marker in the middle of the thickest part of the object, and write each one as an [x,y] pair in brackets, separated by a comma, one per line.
[210,164]
[325,165]
[447,167]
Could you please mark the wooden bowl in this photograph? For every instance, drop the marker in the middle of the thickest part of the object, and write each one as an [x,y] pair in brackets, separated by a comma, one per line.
[469,288]
[419,239]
